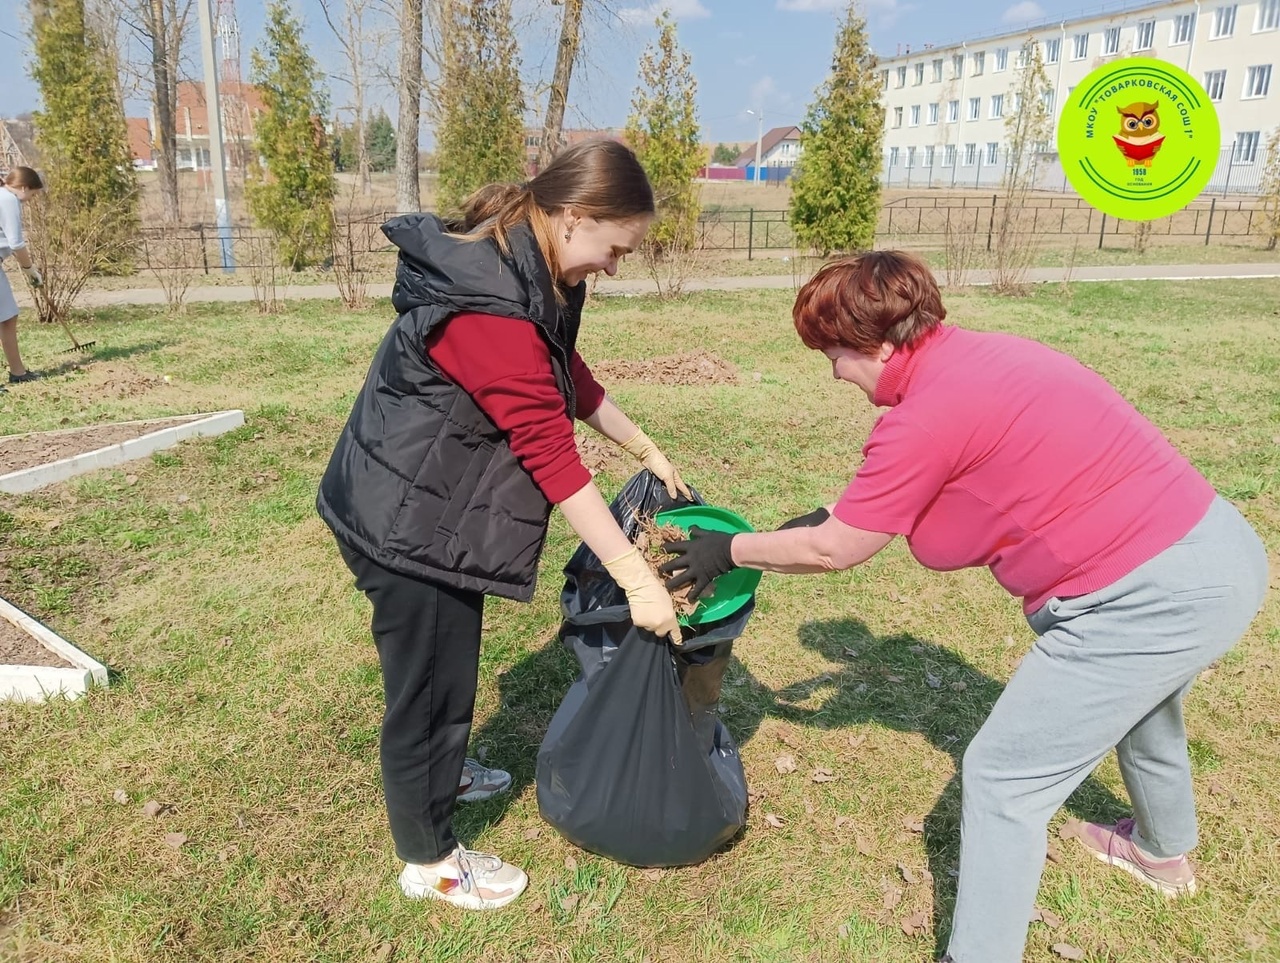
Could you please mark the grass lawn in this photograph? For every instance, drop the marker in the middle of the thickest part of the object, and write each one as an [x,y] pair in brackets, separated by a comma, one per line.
[246,696]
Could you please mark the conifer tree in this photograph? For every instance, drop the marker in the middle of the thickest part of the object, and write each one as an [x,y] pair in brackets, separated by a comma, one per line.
[480,137]
[835,190]
[663,130]
[291,193]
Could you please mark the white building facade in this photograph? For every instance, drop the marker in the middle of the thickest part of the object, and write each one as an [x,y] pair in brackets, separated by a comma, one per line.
[945,107]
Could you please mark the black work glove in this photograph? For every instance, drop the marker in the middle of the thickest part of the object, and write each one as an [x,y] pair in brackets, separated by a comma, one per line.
[703,558]
[812,520]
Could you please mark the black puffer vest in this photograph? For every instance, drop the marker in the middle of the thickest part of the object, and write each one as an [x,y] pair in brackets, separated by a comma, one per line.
[421,481]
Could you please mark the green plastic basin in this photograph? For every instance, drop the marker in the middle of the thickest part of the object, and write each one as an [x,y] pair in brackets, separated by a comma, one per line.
[732,590]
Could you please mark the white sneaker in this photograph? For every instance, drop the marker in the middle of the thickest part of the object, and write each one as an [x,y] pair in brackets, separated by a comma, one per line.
[474,881]
[480,782]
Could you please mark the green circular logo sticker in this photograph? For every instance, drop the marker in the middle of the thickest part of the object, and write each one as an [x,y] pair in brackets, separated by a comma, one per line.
[1139,139]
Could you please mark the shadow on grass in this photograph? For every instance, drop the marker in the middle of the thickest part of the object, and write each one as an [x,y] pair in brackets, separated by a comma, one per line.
[78,360]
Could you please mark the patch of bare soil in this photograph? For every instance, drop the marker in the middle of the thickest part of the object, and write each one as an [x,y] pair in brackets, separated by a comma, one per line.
[39,448]
[690,368]
[97,380]
[19,648]
[599,455]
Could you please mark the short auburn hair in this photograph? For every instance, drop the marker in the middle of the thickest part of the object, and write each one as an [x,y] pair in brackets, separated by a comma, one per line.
[860,302]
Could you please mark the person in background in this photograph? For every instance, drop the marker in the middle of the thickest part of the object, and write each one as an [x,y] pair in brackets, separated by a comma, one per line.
[1133,573]
[20,185]
[442,482]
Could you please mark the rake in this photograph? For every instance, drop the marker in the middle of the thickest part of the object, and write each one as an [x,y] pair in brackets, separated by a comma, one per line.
[75,345]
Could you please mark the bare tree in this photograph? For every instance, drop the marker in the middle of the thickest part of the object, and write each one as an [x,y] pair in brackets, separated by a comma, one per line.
[351,32]
[558,96]
[408,196]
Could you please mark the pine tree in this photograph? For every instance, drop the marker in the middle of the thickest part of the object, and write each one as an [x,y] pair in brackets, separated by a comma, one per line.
[293,196]
[81,132]
[663,130]
[480,137]
[835,190]
[380,142]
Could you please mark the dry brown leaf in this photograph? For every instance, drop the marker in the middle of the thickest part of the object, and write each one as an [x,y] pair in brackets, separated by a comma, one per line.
[916,924]
[1068,952]
[822,775]
[382,953]
[570,864]
[775,821]
[1046,916]
[893,678]
[1069,830]
[1217,789]
[570,903]
[532,833]
[863,845]
[843,821]
[856,742]
[932,681]
[850,653]
[892,898]
[787,739]
[153,809]
[653,875]
[120,796]
[785,765]
[908,876]
[959,686]
[1052,853]
[843,932]
[176,840]
[913,824]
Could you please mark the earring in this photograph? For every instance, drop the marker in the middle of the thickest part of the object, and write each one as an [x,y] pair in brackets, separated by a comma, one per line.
[568,235]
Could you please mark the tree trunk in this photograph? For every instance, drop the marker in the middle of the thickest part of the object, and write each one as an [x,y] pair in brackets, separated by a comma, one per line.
[408,197]
[566,54]
[165,136]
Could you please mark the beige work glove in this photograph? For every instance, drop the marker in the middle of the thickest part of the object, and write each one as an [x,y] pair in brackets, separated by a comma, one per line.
[641,446]
[651,606]
[33,276]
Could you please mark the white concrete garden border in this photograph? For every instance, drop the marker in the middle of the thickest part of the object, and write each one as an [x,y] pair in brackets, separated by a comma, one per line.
[29,479]
[35,683]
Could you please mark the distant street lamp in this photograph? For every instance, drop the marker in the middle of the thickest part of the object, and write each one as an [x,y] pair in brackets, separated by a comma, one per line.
[759,116]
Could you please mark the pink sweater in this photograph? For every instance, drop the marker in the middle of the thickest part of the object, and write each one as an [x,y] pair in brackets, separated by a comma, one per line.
[1002,452]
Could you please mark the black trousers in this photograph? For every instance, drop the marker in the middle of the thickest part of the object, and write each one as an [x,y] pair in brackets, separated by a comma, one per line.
[428,640]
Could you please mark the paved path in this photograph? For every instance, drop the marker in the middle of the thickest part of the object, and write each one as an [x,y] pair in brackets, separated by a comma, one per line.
[1128,272]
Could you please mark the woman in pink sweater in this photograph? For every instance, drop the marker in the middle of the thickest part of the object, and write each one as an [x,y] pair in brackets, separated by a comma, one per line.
[997,451]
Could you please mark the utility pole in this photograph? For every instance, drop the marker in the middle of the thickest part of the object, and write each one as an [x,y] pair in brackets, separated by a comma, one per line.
[213,107]
[759,115]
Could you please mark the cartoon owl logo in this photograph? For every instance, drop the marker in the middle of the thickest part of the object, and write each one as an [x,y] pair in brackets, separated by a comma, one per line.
[1139,136]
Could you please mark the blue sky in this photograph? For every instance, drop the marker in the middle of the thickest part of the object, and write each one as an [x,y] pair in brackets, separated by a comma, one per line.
[747,54]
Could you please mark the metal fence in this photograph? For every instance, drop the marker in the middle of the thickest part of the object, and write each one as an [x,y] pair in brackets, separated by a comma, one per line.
[1239,169]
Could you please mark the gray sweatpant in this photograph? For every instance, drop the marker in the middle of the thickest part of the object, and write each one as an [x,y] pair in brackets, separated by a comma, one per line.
[1109,669]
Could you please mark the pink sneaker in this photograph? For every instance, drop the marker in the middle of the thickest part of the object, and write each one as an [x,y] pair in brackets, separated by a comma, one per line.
[1114,844]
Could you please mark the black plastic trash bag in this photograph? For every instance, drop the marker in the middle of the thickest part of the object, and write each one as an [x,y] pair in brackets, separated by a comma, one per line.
[636,765]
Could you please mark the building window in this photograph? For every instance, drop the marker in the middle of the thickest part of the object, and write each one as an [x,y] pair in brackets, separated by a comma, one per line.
[1224,22]
[949,156]
[1052,50]
[980,61]
[902,76]
[933,114]
[953,111]
[1080,46]
[937,71]
[970,154]
[897,117]
[1257,82]
[1047,100]
[911,157]
[928,156]
[1017,101]
[957,65]
[1145,38]
[919,73]
[1268,16]
[1247,146]
[993,152]
[884,79]
[1184,28]
[1002,59]
[915,115]
[893,157]
[1110,41]
[997,106]
[1215,83]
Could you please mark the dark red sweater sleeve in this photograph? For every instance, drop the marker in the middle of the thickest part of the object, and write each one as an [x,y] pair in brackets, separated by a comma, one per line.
[505,366]
[588,390]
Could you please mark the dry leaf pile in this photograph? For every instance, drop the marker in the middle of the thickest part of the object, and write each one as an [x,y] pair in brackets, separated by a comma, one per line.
[649,541]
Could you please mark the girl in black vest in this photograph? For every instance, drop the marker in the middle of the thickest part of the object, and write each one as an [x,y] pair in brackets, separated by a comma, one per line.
[442,482]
